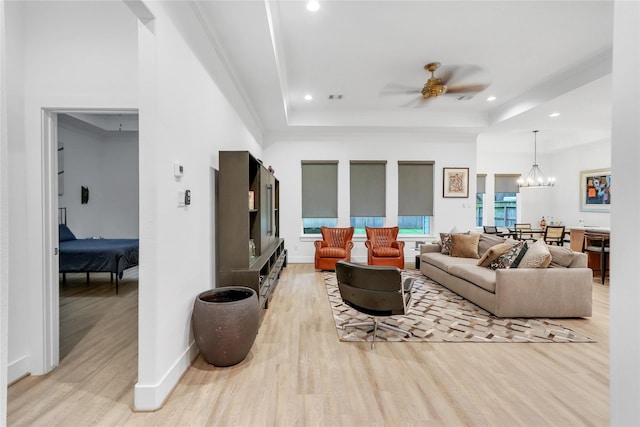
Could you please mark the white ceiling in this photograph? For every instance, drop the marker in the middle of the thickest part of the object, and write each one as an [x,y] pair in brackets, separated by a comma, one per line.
[116,121]
[537,57]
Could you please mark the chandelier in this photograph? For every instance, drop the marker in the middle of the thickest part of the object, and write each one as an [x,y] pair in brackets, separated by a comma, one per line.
[535,177]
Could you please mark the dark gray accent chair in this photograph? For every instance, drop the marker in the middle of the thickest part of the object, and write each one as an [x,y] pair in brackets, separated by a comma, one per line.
[378,291]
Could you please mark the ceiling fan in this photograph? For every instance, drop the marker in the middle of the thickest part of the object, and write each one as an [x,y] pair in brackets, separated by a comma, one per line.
[438,86]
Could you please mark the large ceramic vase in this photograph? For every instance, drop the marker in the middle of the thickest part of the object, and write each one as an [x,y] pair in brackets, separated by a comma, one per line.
[225,324]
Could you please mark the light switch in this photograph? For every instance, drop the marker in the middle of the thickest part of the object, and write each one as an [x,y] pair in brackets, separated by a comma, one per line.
[178,169]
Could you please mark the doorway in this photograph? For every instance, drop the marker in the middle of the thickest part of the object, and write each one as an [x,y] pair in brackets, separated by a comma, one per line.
[78,143]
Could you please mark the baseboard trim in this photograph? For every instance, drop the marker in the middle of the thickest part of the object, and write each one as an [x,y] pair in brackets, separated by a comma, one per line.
[151,397]
[18,370]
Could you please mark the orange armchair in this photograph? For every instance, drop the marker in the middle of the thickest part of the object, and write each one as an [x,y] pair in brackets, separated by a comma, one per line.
[383,247]
[335,245]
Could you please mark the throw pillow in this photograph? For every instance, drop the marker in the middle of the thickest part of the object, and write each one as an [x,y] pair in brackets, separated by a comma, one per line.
[493,253]
[537,256]
[511,258]
[445,243]
[487,241]
[464,245]
[560,256]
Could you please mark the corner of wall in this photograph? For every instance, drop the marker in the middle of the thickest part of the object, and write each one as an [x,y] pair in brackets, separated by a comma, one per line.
[151,397]
[17,369]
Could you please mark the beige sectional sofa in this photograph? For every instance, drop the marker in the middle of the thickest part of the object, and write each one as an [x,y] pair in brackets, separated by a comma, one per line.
[560,290]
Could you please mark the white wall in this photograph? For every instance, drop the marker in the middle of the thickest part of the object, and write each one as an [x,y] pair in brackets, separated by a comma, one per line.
[183,118]
[561,202]
[107,164]
[4,222]
[625,228]
[447,150]
[60,55]
[568,164]
[84,55]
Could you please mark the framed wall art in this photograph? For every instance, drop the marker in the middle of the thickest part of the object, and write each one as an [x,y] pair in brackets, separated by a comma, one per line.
[455,182]
[595,190]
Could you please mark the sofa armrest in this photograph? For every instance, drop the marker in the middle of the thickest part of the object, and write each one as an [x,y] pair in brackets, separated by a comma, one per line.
[579,260]
[320,244]
[547,292]
[429,248]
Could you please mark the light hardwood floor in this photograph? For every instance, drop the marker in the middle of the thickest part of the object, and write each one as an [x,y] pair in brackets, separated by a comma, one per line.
[298,373]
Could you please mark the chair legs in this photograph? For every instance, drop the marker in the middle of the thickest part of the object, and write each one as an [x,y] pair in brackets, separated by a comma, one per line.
[376,324]
[603,265]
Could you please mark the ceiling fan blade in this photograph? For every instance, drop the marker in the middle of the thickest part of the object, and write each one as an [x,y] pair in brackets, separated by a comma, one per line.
[414,103]
[403,92]
[446,73]
[469,88]
[399,89]
[461,72]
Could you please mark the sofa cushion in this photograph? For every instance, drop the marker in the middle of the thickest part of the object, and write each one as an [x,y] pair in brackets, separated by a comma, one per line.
[481,277]
[537,256]
[487,241]
[560,256]
[444,262]
[332,252]
[493,253]
[511,258]
[385,251]
[464,245]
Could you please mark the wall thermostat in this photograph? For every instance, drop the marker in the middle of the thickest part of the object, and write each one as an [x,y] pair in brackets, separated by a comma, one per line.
[178,169]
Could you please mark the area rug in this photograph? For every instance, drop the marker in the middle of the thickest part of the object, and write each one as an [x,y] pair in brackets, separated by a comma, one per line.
[437,314]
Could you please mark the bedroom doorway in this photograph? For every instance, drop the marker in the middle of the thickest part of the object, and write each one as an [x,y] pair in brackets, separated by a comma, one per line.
[91,165]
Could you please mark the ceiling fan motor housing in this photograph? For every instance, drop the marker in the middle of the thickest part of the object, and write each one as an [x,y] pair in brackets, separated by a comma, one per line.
[433,88]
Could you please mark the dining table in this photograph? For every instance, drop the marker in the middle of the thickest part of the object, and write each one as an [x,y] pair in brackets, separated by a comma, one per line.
[522,233]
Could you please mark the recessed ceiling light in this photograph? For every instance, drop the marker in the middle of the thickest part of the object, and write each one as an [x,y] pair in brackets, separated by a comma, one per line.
[308,97]
[313,6]
[554,114]
[491,98]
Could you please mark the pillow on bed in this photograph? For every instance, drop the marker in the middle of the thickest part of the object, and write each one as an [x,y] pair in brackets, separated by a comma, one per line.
[64,233]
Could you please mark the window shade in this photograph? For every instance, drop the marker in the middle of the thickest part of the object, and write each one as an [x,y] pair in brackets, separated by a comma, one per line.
[320,189]
[415,188]
[506,184]
[368,188]
[481,184]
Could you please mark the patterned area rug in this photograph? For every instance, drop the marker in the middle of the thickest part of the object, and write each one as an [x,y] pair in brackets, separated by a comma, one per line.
[437,314]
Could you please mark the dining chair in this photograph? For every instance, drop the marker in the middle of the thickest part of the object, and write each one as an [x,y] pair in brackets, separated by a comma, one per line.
[597,242]
[523,231]
[490,229]
[554,234]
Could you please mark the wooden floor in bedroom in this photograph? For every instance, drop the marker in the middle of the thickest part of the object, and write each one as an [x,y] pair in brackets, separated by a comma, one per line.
[299,373]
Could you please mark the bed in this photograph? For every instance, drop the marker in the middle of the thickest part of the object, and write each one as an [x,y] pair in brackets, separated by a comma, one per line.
[95,255]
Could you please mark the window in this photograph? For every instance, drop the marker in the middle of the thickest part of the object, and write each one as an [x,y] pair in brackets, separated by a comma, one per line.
[360,222]
[415,197]
[505,201]
[319,195]
[368,194]
[480,190]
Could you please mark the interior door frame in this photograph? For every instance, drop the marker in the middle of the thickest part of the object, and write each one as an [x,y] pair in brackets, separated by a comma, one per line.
[51,295]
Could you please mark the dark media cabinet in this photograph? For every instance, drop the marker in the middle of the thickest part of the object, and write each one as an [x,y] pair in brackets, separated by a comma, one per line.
[239,222]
